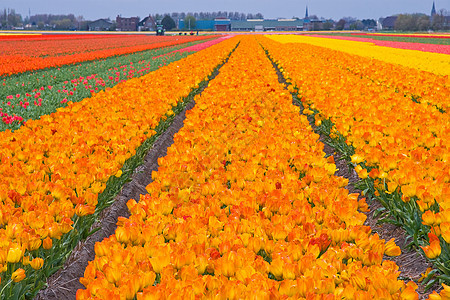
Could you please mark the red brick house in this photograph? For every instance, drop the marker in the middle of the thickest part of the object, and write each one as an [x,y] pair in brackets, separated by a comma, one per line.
[127,24]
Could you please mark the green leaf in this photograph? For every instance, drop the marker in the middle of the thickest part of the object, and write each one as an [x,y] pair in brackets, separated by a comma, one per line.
[379,211]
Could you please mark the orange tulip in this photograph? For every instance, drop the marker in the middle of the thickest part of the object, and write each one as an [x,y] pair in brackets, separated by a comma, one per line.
[14,255]
[47,243]
[112,274]
[392,249]
[433,250]
[160,262]
[445,293]
[18,275]
[430,218]
[37,263]
[409,294]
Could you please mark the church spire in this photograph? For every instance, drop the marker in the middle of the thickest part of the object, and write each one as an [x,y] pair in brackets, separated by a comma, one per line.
[433,10]
[306,14]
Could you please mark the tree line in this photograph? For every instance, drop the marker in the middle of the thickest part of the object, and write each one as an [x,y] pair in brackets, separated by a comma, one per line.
[10,19]
[236,16]
[422,22]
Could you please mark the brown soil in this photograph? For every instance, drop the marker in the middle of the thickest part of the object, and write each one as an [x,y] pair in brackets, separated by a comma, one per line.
[65,283]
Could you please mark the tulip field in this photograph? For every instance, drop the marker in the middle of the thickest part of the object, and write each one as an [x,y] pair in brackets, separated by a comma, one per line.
[246,203]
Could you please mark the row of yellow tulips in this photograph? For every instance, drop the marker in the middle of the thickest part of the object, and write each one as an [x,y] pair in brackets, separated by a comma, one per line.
[436,63]
[400,147]
[423,86]
[53,169]
[245,205]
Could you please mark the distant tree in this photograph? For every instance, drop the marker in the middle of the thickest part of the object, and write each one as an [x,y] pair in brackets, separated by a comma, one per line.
[250,16]
[259,16]
[168,23]
[369,23]
[404,22]
[423,23]
[317,26]
[357,25]
[113,26]
[412,22]
[340,24]
[79,20]
[349,20]
[64,24]
[438,21]
[189,22]
[9,18]
[84,25]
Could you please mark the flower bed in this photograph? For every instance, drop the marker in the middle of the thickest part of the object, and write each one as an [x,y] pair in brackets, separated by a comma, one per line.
[397,147]
[27,54]
[418,85]
[431,62]
[54,170]
[28,96]
[428,36]
[244,205]
[433,48]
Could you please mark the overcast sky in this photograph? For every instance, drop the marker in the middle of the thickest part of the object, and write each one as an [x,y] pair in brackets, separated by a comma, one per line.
[335,9]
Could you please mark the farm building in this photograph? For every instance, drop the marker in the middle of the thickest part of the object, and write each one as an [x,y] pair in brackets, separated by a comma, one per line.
[147,23]
[127,24]
[213,25]
[100,25]
[387,23]
[267,25]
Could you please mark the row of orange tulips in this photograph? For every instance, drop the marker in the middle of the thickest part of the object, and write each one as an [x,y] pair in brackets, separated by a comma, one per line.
[23,55]
[397,146]
[53,169]
[245,205]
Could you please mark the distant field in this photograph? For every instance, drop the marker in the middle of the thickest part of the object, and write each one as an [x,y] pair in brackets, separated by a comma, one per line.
[203,167]
[396,38]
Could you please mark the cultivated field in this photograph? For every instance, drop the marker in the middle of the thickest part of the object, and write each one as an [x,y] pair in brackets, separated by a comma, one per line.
[225,166]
